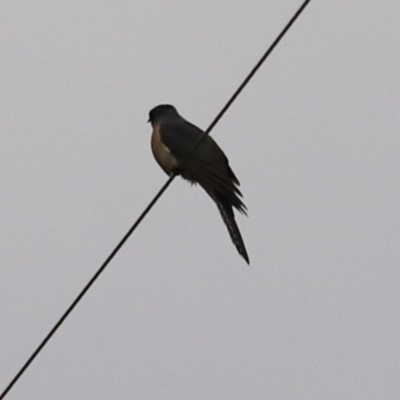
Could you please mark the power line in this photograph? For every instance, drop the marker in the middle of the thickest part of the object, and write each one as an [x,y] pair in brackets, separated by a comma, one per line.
[151,204]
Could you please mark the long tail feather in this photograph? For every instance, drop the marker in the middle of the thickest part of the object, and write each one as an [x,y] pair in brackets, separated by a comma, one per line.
[229,219]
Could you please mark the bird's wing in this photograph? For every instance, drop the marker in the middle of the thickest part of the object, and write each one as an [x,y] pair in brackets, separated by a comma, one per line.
[207,165]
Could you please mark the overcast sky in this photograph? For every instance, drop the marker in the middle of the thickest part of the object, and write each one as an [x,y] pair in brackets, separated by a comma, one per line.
[314,140]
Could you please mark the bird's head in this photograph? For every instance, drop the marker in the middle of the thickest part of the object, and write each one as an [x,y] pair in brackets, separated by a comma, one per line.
[161,111]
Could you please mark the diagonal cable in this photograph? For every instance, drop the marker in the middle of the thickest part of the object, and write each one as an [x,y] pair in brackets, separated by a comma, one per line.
[151,204]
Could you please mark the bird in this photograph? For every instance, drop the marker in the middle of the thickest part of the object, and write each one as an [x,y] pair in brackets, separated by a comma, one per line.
[172,142]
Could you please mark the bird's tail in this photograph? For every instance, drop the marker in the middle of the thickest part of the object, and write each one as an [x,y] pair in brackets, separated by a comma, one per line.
[228,217]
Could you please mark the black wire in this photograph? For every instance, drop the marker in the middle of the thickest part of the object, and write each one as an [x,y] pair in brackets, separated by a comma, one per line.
[247,80]
[150,206]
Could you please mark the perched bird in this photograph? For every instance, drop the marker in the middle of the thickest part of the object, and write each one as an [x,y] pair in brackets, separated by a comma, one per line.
[172,139]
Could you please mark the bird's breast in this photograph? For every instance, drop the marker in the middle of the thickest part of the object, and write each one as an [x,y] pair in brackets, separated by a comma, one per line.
[162,153]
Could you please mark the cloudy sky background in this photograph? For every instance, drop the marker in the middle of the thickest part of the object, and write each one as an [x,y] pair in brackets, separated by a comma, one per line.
[314,140]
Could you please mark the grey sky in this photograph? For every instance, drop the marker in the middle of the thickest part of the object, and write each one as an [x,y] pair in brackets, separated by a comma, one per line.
[178,314]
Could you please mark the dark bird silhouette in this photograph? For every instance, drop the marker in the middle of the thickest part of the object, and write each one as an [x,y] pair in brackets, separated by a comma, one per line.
[172,139]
